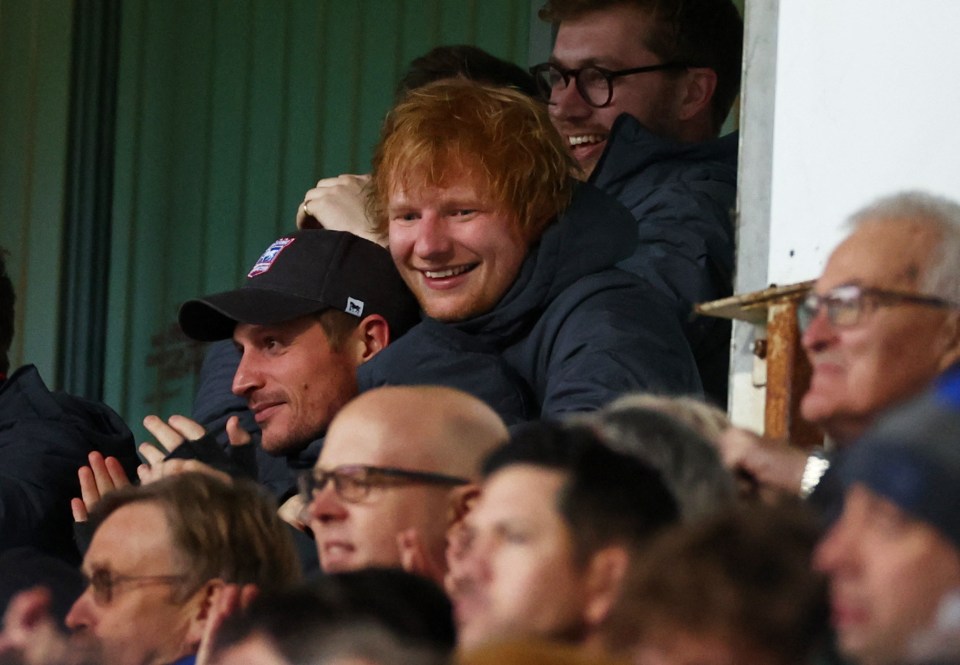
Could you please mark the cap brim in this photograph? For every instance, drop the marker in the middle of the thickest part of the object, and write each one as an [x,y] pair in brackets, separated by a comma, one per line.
[214,317]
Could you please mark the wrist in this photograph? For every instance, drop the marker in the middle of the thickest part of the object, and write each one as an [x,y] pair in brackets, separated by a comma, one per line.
[816,465]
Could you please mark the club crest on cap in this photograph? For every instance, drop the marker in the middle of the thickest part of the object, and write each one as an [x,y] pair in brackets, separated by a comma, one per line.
[270,255]
[354,307]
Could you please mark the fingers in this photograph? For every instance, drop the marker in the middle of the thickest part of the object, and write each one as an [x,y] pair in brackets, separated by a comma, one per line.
[189,429]
[79,510]
[151,454]
[292,512]
[168,438]
[117,473]
[236,434]
[339,204]
[162,468]
[89,492]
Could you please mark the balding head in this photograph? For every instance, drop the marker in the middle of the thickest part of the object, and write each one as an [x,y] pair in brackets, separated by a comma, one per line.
[430,430]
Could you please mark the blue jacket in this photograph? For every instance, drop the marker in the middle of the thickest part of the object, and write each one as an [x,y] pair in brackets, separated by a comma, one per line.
[570,334]
[682,196]
[44,438]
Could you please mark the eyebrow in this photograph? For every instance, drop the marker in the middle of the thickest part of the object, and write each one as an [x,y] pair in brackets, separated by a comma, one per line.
[602,62]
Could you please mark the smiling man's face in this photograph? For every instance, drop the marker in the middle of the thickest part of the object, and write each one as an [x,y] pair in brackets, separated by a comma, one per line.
[458,252]
[611,38]
[293,379]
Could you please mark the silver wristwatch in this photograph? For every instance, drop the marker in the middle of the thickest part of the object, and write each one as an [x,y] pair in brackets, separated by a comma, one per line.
[817,465]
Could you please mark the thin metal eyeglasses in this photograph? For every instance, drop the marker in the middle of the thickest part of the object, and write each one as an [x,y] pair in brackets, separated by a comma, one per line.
[595,84]
[103,582]
[845,305]
[353,482]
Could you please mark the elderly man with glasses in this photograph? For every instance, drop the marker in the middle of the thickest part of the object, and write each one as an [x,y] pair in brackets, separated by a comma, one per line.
[639,90]
[882,321]
[399,468]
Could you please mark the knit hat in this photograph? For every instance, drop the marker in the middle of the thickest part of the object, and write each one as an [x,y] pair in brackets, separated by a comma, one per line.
[912,458]
[302,273]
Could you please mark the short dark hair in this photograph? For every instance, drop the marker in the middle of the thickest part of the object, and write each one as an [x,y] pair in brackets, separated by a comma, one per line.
[469,62]
[608,497]
[705,33]
[7,299]
[338,326]
[226,530]
[743,575]
[691,465]
[297,621]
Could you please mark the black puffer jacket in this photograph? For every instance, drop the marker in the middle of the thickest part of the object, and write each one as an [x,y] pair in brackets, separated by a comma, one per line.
[570,334]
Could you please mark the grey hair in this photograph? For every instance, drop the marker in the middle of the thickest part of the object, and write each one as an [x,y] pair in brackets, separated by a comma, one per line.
[942,274]
[689,463]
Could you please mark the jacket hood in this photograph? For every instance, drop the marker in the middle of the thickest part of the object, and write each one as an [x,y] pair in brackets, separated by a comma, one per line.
[592,234]
[633,148]
[98,424]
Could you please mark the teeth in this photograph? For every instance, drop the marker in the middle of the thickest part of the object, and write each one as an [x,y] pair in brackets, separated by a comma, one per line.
[449,272]
[585,138]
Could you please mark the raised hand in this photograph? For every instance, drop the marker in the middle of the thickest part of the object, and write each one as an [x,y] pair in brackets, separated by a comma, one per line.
[102,476]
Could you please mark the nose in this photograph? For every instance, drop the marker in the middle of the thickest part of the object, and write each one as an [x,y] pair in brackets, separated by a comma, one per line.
[471,567]
[819,334]
[566,103]
[247,378]
[325,506]
[79,616]
[836,549]
[433,237]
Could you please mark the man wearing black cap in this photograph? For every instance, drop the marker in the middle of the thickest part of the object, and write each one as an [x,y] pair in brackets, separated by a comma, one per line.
[315,305]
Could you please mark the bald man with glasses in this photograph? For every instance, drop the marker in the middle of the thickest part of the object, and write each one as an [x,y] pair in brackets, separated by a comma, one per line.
[880,324]
[398,470]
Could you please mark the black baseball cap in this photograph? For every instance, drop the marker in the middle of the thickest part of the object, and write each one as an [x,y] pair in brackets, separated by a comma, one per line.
[302,273]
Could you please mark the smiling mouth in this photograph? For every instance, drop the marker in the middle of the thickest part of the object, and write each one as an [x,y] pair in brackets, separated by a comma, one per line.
[263,410]
[448,272]
[585,139]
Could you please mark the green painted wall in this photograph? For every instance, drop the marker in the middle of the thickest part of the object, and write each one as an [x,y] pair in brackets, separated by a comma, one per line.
[229,110]
[35,42]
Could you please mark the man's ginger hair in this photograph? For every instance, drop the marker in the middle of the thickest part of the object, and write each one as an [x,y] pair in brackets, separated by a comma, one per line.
[498,137]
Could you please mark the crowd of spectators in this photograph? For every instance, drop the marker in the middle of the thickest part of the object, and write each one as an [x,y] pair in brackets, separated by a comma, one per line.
[464,414]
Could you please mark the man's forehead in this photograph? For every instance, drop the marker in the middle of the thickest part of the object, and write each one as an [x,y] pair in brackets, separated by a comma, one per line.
[356,437]
[522,488]
[884,254]
[612,37]
[291,326]
[130,537]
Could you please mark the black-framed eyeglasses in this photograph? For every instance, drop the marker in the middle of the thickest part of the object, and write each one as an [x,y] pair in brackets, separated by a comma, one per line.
[353,482]
[104,583]
[595,84]
[845,305]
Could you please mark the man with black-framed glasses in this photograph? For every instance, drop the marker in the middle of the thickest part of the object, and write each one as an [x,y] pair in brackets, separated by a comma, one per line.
[880,324]
[639,90]
[398,469]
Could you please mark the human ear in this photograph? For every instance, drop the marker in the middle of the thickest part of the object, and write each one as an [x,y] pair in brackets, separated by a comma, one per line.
[605,573]
[696,92]
[951,351]
[462,499]
[371,337]
[201,608]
